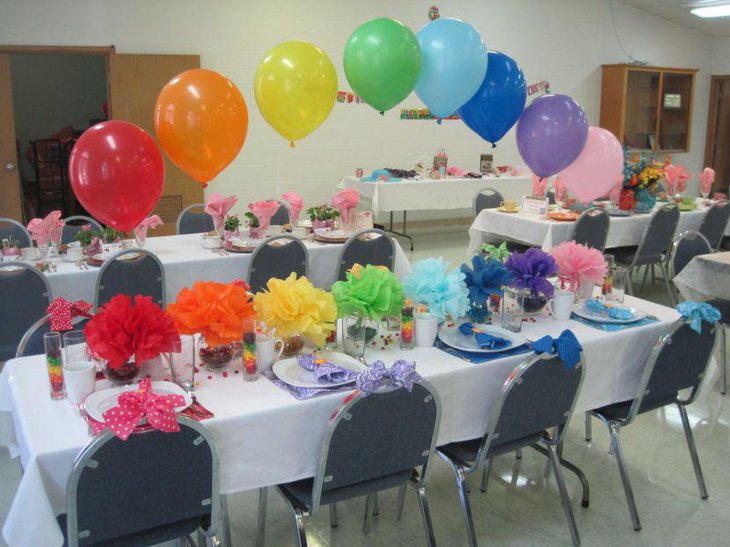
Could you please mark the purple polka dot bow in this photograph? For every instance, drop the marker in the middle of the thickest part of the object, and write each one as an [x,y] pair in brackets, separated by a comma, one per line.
[401,375]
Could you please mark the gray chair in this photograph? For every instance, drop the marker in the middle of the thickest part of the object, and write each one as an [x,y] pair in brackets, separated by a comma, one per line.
[677,362]
[724,307]
[487,198]
[191,222]
[165,484]
[13,228]
[142,274]
[24,297]
[277,257]
[688,245]
[32,341]
[73,226]
[591,228]
[374,443]
[715,223]
[366,247]
[654,247]
[281,217]
[538,396]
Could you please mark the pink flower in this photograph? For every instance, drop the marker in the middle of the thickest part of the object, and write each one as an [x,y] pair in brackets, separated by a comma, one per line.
[344,202]
[577,261]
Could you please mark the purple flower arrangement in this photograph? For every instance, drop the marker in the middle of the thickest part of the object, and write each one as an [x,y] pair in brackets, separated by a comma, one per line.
[530,270]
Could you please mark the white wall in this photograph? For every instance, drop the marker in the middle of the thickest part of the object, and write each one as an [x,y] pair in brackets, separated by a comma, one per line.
[721,56]
[563,41]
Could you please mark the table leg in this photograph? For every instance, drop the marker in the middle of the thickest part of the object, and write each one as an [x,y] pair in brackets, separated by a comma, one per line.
[403,233]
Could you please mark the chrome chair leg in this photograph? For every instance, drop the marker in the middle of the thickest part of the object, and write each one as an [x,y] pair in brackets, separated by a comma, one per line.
[693,452]
[376,510]
[401,501]
[226,522]
[564,498]
[643,281]
[333,515]
[461,483]
[589,427]
[426,516]
[366,518]
[616,445]
[299,523]
[261,528]
[629,285]
[202,540]
[723,390]
[665,275]
[518,453]
[485,475]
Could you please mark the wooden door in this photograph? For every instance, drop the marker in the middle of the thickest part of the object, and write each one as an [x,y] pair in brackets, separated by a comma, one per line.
[717,146]
[9,171]
[135,82]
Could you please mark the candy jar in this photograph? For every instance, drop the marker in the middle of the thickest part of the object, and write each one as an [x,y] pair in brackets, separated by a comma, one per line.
[250,368]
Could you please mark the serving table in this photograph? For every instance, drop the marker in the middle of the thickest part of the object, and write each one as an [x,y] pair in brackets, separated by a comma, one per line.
[265,436]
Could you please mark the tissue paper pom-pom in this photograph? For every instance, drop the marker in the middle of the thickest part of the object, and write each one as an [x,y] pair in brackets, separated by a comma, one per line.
[218,311]
[484,278]
[294,306]
[530,270]
[443,292]
[577,261]
[374,292]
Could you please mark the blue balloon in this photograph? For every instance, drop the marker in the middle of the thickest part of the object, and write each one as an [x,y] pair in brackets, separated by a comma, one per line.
[497,105]
[453,64]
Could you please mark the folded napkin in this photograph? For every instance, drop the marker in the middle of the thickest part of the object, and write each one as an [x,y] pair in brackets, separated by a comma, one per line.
[539,186]
[263,211]
[217,207]
[613,327]
[561,191]
[61,313]
[614,312]
[325,371]
[477,357]
[153,222]
[44,230]
[295,203]
[696,312]
[345,202]
[676,177]
[483,339]
[380,175]
[707,177]
[566,346]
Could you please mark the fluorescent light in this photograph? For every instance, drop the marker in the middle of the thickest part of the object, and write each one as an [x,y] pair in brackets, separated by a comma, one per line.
[722,10]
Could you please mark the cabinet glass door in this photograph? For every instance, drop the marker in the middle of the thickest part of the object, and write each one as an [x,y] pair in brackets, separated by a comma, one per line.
[674,108]
[641,109]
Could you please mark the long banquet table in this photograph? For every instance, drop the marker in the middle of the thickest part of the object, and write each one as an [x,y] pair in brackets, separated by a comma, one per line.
[265,436]
[705,277]
[184,261]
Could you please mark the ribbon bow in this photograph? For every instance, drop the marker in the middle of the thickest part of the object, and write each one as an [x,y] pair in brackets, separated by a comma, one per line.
[62,312]
[696,312]
[401,374]
[566,346]
[142,403]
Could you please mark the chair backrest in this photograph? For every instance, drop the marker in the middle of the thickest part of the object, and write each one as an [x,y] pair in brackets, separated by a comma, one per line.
[366,247]
[715,222]
[277,257]
[591,228]
[688,245]
[281,216]
[539,395]
[659,233]
[189,222]
[73,226]
[13,228]
[32,341]
[142,274]
[678,361]
[24,297]
[550,195]
[158,480]
[390,431]
[486,198]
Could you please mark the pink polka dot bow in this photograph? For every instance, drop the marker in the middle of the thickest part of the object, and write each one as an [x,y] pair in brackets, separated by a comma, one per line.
[142,403]
[62,312]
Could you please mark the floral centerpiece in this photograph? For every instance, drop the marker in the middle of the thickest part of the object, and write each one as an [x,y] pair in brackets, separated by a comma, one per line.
[484,282]
[125,335]
[442,291]
[579,267]
[641,174]
[530,271]
[322,216]
[220,312]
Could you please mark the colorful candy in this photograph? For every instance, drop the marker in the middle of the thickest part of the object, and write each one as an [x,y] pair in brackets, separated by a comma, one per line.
[250,368]
[406,325]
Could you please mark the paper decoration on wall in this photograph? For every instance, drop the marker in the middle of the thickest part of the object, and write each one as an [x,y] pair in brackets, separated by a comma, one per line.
[423,114]
[433,13]
[348,97]
[540,88]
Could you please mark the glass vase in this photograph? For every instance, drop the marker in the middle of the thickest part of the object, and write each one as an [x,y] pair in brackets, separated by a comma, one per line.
[123,374]
[293,345]
[216,358]
[356,333]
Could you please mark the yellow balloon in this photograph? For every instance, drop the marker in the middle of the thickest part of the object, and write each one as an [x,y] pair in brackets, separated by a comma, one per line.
[295,87]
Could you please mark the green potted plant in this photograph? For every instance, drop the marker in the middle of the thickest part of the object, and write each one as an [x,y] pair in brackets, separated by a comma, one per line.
[322,216]
[231,228]
[254,228]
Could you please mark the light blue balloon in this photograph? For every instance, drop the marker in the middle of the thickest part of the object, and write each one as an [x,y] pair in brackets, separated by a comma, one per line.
[453,65]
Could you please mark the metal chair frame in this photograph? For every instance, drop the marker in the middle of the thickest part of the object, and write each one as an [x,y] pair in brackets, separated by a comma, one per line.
[290,240]
[185,211]
[673,271]
[6,220]
[114,257]
[494,193]
[33,329]
[363,234]
[717,205]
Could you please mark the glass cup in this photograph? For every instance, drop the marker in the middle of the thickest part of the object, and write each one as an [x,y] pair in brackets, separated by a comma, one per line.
[54,363]
[331,340]
[513,306]
[74,347]
[182,364]
[355,331]
[620,281]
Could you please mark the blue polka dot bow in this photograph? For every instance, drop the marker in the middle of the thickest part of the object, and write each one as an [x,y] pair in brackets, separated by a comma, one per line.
[566,346]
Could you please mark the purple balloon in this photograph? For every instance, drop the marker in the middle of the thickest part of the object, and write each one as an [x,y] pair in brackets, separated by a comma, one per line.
[551,134]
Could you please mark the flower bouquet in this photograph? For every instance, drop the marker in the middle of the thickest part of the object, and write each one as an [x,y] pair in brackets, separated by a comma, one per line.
[443,292]
[125,335]
[641,175]
[322,216]
[579,267]
[484,282]
[530,271]
[294,307]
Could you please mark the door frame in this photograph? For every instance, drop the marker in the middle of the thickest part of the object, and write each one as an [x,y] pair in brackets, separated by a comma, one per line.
[712,117]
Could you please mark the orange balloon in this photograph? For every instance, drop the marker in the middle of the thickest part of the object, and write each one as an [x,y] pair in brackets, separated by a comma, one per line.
[201,121]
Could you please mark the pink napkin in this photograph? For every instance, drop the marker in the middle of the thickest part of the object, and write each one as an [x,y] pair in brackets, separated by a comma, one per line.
[263,211]
[615,194]
[218,207]
[539,186]
[43,230]
[345,202]
[560,189]
[295,203]
[707,177]
[676,177]
[150,222]
[455,171]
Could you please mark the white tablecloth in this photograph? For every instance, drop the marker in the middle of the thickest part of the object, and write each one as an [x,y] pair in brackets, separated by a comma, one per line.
[429,194]
[265,436]
[185,261]
[532,230]
[705,277]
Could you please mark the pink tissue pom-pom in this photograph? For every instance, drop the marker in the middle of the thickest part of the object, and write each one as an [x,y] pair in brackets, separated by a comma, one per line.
[578,261]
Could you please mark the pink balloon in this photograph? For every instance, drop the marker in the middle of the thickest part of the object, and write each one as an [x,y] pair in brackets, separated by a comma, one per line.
[594,172]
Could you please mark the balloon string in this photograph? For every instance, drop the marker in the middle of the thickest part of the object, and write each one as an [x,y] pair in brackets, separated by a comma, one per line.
[382,112]
[204,183]
[439,121]
[291,144]
[494,145]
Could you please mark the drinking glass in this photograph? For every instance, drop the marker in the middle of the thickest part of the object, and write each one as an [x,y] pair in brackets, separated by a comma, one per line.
[182,364]
[74,347]
[356,332]
[513,303]
[620,281]
[54,363]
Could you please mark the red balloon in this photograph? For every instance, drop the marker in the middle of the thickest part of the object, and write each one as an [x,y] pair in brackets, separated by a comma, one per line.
[117,173]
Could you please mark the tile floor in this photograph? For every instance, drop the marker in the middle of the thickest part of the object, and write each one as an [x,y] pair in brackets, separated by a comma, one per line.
[522,508]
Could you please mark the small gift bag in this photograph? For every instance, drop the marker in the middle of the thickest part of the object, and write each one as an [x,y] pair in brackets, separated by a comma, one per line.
[440,161]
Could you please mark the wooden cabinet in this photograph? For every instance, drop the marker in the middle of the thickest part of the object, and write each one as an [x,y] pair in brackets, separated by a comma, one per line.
[647,107]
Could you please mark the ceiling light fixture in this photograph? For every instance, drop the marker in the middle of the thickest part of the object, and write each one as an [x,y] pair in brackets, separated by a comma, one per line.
[721,10]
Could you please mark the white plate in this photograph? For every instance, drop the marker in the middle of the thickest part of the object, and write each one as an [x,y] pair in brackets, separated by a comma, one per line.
[582,311]
[65,258]
[100,401]
[104,256]
[289,371]
[450,335]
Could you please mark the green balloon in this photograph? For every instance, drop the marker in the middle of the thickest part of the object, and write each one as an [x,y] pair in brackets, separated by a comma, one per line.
[382,62]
